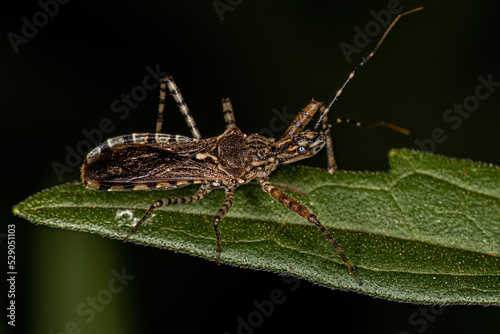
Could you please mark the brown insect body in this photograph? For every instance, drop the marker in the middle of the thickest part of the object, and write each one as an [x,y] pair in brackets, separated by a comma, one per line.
[227,161]
[159,161]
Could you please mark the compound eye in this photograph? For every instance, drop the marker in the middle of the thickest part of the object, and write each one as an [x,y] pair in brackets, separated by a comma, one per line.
[302,150]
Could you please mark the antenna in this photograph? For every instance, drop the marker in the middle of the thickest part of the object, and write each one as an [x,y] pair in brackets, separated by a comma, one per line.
[370,56]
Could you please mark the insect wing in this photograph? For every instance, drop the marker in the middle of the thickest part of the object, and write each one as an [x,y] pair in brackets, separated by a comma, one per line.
[127,164]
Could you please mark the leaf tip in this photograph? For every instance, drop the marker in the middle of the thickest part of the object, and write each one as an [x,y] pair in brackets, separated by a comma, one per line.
[16,210]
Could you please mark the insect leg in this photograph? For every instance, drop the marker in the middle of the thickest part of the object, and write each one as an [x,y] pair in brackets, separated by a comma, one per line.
[227,110]
[161,106]
[228,203]
[166,202]
[302,119]
[176,94]
[305,213]
[331,164]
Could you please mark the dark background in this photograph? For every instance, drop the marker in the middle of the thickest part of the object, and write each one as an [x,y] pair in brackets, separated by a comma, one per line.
[264,55]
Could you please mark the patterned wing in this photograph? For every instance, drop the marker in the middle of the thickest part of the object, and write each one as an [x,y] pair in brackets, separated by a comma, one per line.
[125,164]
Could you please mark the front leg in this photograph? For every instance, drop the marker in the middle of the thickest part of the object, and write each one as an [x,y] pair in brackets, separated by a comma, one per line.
[305,213]
[331,164]
[302,119]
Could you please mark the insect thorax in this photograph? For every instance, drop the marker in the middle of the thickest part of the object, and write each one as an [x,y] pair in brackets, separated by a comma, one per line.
[246,157]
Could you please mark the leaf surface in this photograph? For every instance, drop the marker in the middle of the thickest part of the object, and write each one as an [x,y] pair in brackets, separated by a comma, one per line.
[426,232]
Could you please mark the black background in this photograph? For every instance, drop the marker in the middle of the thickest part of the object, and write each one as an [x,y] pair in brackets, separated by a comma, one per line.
[264,55]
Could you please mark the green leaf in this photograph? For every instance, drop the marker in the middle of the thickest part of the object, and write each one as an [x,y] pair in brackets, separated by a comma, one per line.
[427,232]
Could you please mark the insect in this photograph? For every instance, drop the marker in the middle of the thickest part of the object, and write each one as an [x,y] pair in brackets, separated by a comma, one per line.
[147,161]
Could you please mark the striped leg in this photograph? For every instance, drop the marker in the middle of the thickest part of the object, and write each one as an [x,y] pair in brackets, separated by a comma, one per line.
[227,110]
[168,82]
[225,207]
[305,213]
[331,164]
[169,201]
[302,119]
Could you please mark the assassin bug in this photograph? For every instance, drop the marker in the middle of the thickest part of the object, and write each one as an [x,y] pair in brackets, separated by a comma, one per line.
[146,161]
